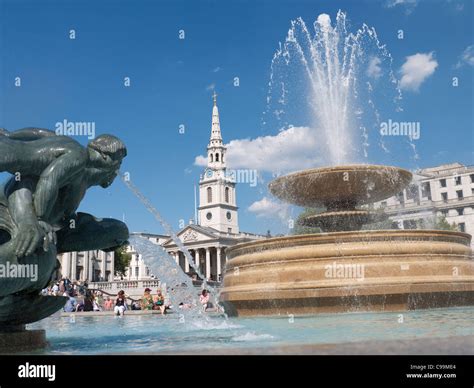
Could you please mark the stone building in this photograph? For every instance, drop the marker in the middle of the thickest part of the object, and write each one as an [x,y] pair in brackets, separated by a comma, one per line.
[446,190]
[93,266]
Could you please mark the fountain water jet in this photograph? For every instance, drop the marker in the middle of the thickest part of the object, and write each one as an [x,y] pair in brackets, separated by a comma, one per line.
[346,269]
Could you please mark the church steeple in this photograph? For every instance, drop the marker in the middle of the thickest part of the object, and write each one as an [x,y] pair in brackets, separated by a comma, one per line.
[217,202]
[216,149]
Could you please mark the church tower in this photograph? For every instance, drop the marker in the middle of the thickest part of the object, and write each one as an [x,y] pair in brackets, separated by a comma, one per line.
[217,202]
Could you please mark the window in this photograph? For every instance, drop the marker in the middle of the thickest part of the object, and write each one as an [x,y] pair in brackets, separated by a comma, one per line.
[401,198]
[229,215]
[227,195]
[212,157]
[412,193]
[444,213]
[459,194]
[409,224]
[457,180]
[472,178]
[137,271]
[209,195]
[229,230]
[426,190]
[442,182]
[460,211]
[444,196]
[217,157]
[383,204]
[209,215]
[462,227]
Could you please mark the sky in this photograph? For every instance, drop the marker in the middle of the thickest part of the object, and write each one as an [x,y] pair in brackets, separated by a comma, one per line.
[144,70]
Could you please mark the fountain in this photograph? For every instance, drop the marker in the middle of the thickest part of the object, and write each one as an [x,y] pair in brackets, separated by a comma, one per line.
[349,269]
[344,268]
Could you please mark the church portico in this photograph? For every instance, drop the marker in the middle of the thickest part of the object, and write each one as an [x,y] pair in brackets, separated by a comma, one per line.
[209,260]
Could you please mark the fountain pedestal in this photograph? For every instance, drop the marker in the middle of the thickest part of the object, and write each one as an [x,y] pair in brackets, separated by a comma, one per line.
[348,270]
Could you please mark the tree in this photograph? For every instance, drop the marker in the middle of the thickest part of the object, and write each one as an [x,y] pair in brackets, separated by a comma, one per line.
[300,228]
[441,223]
[121,260]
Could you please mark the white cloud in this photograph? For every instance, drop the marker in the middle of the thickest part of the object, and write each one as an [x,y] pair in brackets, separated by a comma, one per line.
[211,87]
[291,149]
[467,57]
[409,4]
[374,70]
[269,208]
[216,69]
[416,69]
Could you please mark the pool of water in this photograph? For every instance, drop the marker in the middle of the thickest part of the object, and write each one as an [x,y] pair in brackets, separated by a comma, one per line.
[178,333]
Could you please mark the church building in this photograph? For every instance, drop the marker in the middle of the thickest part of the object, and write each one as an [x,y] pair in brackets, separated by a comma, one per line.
[217,226]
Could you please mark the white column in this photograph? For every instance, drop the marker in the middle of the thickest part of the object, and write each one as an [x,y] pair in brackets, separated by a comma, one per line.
[90,256]
[103,263]
[73,265]
[112,266]
[218,263]
[208,263]
[85,271]
[196,259]
[66,264]
[186,263]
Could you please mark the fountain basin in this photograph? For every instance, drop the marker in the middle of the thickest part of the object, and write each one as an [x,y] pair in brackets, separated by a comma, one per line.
[349,271]
[340,186]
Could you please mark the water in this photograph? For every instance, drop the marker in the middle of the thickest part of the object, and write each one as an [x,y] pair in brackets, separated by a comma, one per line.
[162,264]
[157,334]
[329,79]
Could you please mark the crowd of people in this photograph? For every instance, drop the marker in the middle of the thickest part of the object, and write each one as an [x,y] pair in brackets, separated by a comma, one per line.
[81,298]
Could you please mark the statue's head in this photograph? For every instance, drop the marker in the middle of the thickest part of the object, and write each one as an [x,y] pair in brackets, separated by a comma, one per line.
[106,153]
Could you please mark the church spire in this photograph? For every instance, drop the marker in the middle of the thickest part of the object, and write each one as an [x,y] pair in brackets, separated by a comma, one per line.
[216,149]
[216,135]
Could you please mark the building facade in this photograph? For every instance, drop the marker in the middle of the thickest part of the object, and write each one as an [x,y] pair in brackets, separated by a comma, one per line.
[137,269]
[217,224]
[446,190]
[91,266]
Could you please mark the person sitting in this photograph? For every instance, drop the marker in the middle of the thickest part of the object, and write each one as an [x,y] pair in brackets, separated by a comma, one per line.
[159,302]
[147,300]
[120,303]
[108,304]
[70,305]
[204,300]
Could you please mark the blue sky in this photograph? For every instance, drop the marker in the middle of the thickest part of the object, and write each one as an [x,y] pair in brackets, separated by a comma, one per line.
[82,79]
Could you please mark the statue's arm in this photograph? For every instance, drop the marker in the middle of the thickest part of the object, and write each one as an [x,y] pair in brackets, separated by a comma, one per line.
[60,172]
[21,207]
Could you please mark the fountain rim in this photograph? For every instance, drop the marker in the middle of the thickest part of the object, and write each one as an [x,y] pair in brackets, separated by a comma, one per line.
[338,168]
[278,186]
[328,237]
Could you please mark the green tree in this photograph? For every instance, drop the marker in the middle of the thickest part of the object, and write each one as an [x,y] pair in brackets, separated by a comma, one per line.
[300,228]
[121,260]
[441,223]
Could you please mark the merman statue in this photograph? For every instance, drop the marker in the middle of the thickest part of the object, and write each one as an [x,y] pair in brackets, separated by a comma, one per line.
[38,213]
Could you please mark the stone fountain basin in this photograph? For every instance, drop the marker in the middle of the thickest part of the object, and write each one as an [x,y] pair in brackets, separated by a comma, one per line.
[403,269]
[340,186]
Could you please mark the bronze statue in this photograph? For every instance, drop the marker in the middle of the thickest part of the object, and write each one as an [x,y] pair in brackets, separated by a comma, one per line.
[38,218]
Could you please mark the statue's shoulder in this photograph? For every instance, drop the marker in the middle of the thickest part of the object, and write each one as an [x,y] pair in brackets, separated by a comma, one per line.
[27,134]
